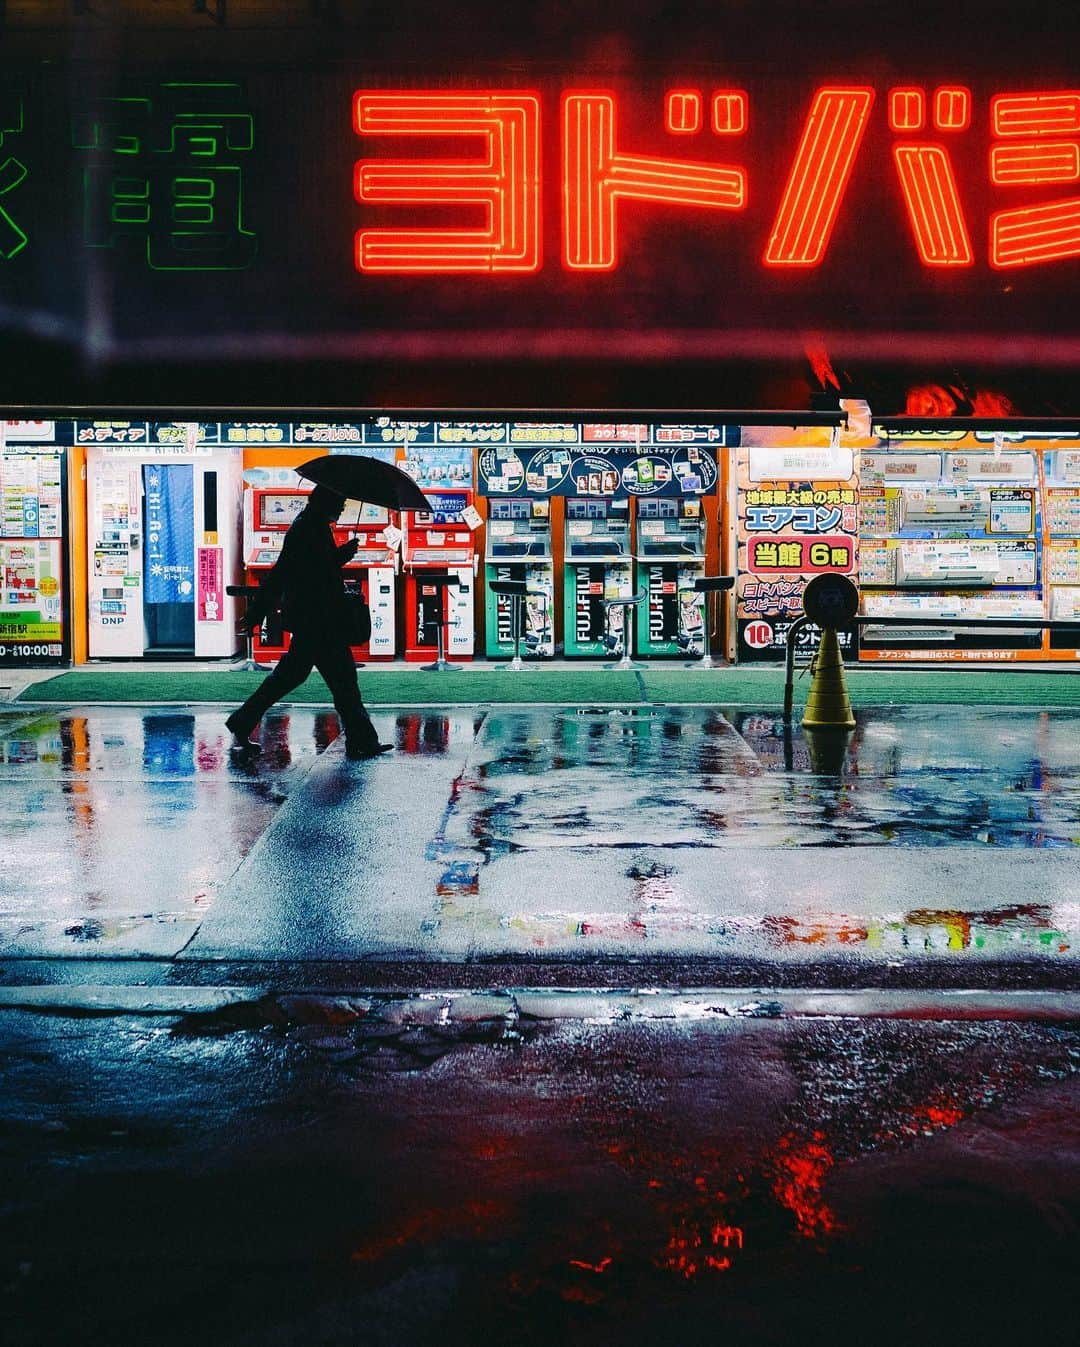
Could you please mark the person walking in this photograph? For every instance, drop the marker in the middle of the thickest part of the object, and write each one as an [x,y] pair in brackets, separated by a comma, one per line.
[307,581]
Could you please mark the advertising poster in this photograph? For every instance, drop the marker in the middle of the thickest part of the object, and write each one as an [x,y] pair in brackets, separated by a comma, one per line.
[599,471]
[438,465]
[797,511]
[211,585]
[170,534]
[32,623]
[31,601]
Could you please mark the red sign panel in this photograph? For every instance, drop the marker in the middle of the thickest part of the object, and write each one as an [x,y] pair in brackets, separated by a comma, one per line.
[766,555]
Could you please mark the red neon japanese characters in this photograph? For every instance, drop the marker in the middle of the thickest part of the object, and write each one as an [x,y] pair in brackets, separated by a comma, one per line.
[730,112]
[925,173]
[1050,231]
[484,213]
[815,186]
[682,112]
[505,183]
[907,109]
[933,206]
[596,175]
[952,109]
[1056,161]
[1048,114]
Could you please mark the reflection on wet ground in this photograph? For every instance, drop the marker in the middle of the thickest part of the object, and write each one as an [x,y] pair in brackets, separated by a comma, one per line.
[919,776]
[119,817]
[400,1185]
[528,829]
[548,794]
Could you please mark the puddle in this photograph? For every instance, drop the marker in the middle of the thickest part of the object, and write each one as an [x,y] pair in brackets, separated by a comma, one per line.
[911,776]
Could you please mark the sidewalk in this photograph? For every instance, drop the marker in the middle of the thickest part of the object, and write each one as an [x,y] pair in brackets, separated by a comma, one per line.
[557,683]
[515,846]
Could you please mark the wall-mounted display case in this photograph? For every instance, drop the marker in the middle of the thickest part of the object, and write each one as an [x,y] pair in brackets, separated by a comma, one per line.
[970,526]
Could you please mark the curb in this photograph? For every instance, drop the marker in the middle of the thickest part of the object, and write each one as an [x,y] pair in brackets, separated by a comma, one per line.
[83,999]
[253,1007]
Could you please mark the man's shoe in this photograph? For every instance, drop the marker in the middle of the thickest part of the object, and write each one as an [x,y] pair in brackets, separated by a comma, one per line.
[361,752]
[241,743]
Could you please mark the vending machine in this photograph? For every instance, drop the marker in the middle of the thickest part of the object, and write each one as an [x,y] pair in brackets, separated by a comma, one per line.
[268,512]
[439,539]
[519,548]
[163,542]
[373,570]
[598,565]
[670,556]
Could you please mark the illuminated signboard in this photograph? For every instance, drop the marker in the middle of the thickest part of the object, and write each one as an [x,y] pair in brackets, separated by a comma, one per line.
[1036,144]
[345,212]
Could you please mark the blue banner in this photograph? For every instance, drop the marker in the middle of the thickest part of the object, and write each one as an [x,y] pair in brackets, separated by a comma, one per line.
[169,530]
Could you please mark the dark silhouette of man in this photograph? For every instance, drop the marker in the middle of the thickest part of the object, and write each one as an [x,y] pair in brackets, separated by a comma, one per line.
[307,582]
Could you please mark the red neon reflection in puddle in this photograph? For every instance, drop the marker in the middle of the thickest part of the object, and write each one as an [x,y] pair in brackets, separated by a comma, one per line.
[940,1115]
[470,1220]
[800,1167]
[697,1192]
[695,1247]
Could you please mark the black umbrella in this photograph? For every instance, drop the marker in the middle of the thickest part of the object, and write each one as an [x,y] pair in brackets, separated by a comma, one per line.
[357,477]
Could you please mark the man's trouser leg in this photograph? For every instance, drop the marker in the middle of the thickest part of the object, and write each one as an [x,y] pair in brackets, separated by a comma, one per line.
[334,660]
[290,671]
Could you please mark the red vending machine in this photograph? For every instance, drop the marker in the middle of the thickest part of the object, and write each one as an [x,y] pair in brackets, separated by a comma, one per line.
[268,512]
[439,540]
[373,569]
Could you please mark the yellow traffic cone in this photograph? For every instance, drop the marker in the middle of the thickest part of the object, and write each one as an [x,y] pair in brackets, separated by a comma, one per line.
[828,705]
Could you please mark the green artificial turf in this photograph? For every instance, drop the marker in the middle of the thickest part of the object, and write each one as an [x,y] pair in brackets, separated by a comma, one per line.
[872,687]
[762,686]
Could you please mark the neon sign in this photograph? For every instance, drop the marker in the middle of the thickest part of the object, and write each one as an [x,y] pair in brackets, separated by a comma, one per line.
[1036,144]
[596,175]
[505,183]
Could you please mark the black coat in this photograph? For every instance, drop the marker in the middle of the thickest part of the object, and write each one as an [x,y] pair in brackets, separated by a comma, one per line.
[306,580]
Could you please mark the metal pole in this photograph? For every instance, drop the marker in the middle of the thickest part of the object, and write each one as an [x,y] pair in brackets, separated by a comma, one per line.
[516,663]
[440,642]
[789,665]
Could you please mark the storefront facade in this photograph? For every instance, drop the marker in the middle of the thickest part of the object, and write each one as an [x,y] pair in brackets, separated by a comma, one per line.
[646,217]
[121,537]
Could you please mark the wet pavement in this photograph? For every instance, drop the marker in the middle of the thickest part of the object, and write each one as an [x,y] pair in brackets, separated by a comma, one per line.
[379,1176]
[811,1076]
[525,834]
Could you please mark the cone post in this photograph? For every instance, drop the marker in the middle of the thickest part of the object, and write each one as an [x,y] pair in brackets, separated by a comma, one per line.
[828,705]
[827,749]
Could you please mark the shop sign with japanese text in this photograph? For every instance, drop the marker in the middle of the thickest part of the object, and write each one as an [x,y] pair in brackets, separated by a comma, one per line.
[789,529]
